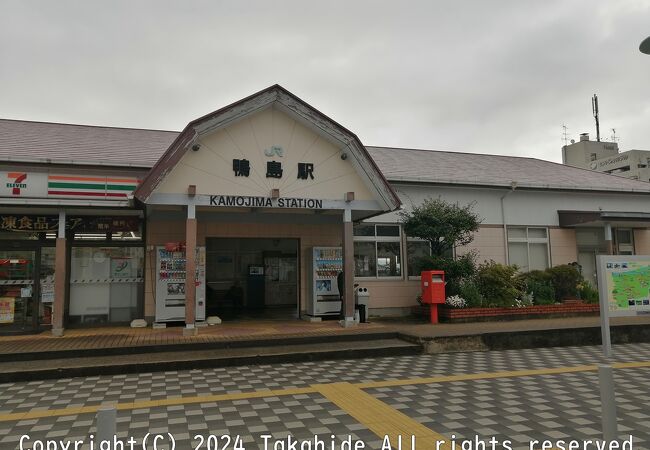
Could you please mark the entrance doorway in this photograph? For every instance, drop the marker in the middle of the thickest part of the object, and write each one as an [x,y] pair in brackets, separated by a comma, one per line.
[252,277]
[26,289]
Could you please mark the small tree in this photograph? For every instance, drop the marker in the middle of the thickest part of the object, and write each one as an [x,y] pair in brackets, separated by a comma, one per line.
[444,226]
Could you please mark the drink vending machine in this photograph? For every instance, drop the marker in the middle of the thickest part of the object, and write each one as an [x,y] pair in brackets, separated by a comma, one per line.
[170,284]
[326,264]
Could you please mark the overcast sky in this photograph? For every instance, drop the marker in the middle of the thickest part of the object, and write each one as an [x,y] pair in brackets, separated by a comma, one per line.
[475,76]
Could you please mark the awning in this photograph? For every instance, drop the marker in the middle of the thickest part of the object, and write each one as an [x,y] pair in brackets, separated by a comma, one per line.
[580,219]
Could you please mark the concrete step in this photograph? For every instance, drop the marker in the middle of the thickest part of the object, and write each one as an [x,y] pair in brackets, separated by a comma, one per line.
[234,343]
[199,359]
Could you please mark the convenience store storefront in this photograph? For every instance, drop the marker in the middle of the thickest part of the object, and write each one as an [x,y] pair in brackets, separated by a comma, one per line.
[71,249]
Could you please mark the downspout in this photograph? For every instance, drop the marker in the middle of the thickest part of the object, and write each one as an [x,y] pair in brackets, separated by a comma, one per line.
[513,186]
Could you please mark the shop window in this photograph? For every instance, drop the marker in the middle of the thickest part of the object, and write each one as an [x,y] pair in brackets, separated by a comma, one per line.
[528,248]
[377,250]
[105,284]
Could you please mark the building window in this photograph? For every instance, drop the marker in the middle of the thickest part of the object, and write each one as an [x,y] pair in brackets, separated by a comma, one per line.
[416,249]
[377,250]
[528,248]
[624,241]
[593,157]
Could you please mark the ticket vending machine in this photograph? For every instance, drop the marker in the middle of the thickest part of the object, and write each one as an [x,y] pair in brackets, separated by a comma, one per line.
[170,284]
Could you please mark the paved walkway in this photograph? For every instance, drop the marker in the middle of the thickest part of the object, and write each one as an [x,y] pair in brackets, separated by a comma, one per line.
[95,338]
[516,395]
[91,338]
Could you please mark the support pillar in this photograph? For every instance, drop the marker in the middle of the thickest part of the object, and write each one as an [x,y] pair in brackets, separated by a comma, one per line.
[190,272]
[60,260]
[608,239]
[348,268]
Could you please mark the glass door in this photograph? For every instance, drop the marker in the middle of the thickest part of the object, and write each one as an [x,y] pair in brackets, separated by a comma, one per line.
[17,289]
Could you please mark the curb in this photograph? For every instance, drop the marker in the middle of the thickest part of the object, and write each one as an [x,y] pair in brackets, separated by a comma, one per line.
[160,366]
[268,341]
[516,340]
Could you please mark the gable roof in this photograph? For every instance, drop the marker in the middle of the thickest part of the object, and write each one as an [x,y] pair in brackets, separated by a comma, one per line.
[279,97]
[45,142]
[444,167]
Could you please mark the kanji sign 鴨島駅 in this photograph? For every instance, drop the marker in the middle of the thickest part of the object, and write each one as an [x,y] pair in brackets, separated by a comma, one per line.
[241,167]
[273,169]
[305,171]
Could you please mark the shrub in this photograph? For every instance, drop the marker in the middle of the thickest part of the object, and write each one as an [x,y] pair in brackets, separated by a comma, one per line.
[565,279]
[588,293]
[469,290]
[497,283]
[534,276]
[455,269]
[526,299]
[543,292]
[456,301]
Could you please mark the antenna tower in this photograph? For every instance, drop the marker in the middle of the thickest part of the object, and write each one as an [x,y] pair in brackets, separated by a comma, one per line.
[565,136]
[594,108]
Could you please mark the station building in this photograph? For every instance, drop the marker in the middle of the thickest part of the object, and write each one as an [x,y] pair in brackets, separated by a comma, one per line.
[253,211]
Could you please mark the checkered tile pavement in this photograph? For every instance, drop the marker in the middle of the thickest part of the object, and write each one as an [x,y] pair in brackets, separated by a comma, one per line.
[301,416]
[63,393]
[525,408]
[549,406]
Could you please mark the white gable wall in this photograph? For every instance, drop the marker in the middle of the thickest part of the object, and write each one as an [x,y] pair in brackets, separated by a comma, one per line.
[210,168]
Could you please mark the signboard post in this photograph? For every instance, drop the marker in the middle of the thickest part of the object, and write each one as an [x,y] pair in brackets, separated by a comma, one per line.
[624,288]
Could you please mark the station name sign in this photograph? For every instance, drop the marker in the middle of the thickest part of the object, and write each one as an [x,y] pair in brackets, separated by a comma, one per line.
[265,202]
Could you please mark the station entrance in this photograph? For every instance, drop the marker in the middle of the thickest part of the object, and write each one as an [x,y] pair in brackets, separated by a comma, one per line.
[252,278]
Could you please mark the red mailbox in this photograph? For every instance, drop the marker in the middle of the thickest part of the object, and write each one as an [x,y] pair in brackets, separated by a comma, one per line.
[433,290]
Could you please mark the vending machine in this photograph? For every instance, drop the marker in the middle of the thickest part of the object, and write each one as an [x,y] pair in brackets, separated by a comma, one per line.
[170,284]
[326,264]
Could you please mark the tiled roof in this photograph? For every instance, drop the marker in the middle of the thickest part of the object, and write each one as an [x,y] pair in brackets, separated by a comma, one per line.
[432,166]
[81,144]
[84,144]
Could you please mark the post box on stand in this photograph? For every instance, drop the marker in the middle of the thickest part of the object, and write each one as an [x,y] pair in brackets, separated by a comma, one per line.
[433,290]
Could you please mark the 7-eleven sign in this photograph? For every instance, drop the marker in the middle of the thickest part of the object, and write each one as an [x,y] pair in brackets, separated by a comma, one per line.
[17,181]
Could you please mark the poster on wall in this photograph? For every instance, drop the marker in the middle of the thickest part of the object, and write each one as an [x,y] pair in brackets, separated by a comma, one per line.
[7,309]
[121,268]
[47,292]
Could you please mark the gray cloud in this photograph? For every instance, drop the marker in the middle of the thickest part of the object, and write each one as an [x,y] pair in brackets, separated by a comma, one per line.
[494,77]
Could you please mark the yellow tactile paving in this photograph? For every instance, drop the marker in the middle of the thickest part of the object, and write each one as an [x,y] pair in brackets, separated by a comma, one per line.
[40,413]
[503,374]
[380,418]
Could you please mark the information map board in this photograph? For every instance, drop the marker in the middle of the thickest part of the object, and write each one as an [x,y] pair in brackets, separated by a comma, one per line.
[624,290]
[624,284]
